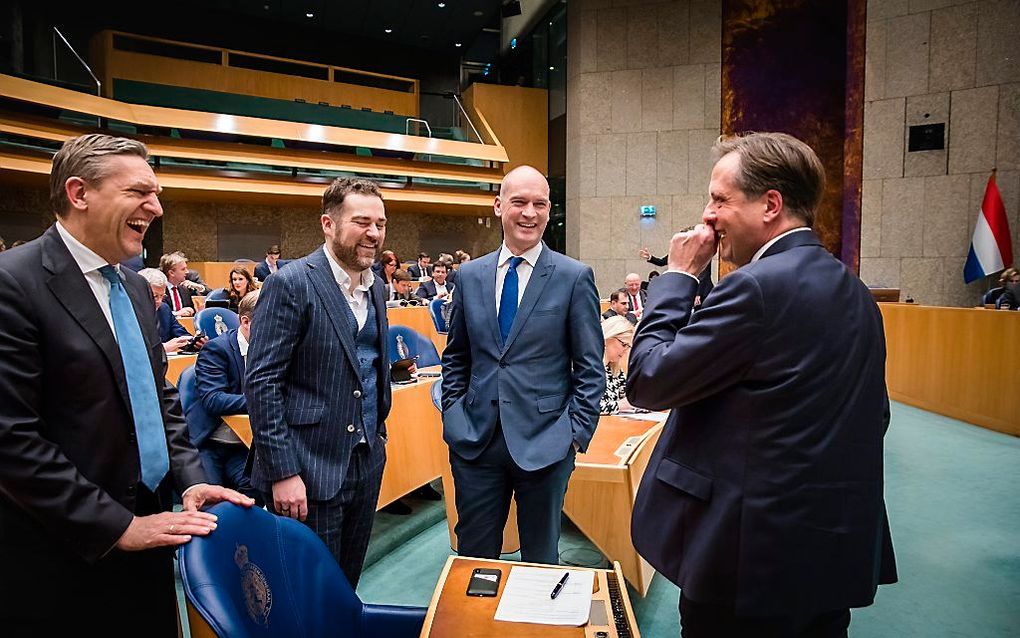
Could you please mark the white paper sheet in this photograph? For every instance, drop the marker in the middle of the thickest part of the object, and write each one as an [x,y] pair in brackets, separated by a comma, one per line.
[643,416]
[526,597]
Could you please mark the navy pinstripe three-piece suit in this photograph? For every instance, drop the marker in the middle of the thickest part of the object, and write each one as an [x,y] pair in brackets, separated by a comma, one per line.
[316,410]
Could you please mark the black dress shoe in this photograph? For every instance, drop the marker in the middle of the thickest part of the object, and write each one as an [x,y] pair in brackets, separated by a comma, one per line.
[426,492]
[397,508]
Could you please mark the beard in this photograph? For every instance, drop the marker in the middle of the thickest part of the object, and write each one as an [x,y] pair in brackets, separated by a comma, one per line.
[348,254]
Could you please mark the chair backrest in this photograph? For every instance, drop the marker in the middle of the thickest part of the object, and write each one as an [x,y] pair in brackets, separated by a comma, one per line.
[260,575]
[414,344]
[437,394]
[436,310]
[216,321]
[186,387]
[220,294]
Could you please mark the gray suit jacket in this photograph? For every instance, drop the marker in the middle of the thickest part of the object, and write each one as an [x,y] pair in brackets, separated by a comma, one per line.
[302,383]
[544,383]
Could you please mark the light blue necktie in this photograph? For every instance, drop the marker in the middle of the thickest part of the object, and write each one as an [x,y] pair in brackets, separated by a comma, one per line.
[145,406]
[508,299]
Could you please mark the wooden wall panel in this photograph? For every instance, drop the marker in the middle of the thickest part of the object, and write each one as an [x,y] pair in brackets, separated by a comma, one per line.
[519,117]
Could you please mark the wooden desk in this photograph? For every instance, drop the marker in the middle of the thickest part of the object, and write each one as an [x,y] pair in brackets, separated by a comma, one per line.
[453,614]
[188,323]
[415,453]
[216,274]
[176,363]
[419,319]
[601,492]
[960,362]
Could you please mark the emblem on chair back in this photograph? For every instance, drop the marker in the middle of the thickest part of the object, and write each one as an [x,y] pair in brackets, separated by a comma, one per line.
[258,597]
[402,350]
[219,326]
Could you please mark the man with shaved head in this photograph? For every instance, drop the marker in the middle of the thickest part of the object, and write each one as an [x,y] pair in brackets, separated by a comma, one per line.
[522,378]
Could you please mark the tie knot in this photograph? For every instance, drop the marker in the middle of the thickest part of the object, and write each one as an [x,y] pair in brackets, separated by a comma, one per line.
[515,262]
[110,274]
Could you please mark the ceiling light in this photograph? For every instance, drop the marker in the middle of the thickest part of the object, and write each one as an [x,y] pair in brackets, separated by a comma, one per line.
[442,5]
[309,15]
[479,14]
[388,30]
[457,44]
[552,68]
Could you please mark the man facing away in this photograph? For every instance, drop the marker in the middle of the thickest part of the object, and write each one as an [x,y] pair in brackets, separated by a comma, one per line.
[92,443]
[763,499]
[318,378]
[522,378]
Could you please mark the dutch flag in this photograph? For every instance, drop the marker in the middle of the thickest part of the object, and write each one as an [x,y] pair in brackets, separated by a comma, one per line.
[991,249]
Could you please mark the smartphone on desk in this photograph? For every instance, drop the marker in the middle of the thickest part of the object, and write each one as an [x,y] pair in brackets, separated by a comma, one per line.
[484,582]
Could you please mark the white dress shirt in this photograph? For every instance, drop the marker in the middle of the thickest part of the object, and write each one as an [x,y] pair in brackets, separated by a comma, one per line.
[359,299]
[90,263]
[441,288]
[524,270]
[768,244]
[242,345]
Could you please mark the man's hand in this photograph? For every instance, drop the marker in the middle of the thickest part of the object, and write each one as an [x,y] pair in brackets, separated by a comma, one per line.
[693,250]
[289,498]
[176,344]
[185,312]
[645,254]
[165,529]
[201,342]
[198,496]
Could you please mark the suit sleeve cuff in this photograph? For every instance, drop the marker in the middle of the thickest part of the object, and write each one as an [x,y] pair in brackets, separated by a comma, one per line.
[684,272]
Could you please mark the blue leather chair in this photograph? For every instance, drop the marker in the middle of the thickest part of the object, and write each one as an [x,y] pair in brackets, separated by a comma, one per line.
[220,294]
[436,310]
[437,395]
[260,575]
[416,344]
[186,388]
[206,321]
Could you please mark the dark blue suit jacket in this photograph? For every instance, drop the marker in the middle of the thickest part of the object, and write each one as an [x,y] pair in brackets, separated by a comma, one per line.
[262,268]
[428,290]
[303,384]
[169,327]
[765,490]
[219,386]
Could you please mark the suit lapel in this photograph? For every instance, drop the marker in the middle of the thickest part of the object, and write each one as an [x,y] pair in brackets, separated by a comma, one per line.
[74,293]
[540,277]
[488,275]
[337,308]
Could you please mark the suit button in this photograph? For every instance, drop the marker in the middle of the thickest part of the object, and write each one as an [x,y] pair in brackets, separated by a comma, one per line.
[350,428]
[357,394]
[131,490]
[502,364]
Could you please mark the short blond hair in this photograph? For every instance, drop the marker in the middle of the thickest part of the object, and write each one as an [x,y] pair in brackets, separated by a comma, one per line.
[86,157]
[246,307]
[169,260]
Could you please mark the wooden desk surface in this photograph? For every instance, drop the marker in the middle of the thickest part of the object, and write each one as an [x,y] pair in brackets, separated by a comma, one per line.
[176,364]
[188,323]
[960,362]
[453,614]
[611,433]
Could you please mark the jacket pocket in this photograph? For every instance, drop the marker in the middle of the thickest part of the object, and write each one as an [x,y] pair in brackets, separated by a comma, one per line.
[552,403]
[303,416]
[684,479]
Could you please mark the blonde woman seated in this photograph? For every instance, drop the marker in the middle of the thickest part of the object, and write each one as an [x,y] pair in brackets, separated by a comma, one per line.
[618,333]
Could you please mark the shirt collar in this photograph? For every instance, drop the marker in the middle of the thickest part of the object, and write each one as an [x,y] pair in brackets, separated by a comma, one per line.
[84,256]
[242,344]
[341,276]
[768,244]
[530,255]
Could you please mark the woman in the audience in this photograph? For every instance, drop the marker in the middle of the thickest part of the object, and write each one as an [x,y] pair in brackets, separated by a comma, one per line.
[1008,276]
[386,266]
[241,283]
[618,333]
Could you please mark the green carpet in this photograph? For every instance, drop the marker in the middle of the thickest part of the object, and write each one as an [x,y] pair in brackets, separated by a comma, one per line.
[951,492]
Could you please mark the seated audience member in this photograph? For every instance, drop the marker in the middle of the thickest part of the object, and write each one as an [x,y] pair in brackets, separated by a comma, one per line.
[219,386]
[172,334]
[194,281]
[423,268]
[618,307]
[460,258]
[3,246]
[1008,276]
[386,266]
[241,283]
[437,286]
[175,267]
[400,288]
[618,333]
[635,295]
[651,275]
[1010,298]
[270,264]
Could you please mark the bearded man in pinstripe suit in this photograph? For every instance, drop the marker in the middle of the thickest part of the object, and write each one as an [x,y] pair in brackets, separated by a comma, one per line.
[318,381]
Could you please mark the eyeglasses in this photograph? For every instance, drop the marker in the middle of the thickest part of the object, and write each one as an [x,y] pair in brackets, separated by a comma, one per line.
[622,343]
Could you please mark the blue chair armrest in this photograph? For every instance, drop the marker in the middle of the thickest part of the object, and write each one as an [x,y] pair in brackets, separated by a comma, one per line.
[391,621]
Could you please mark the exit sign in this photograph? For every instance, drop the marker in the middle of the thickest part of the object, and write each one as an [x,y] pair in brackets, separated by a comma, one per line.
[648,211]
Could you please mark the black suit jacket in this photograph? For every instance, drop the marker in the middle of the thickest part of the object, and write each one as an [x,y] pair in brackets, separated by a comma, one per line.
[428,290]
[765,490]
[69,469]
[415,271]
[185,292]
[262,268]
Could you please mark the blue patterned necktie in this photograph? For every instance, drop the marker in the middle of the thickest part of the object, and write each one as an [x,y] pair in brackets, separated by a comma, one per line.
[508,298]
[145,406]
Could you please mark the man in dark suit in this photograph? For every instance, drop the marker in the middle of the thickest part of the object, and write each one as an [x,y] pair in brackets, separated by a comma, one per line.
[172,334]
[438,286]
[421,269]
[270,264]
[618,306]
[522,378]
[636,296]
[92,442]
[763,499]
[178,292]
[219,385]
[318,380]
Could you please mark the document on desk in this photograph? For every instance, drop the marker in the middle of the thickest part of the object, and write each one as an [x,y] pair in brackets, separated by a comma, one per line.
[526,597]
[643,416]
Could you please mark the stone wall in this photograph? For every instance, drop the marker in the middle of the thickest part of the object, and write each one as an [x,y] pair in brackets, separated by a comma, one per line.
[931,61]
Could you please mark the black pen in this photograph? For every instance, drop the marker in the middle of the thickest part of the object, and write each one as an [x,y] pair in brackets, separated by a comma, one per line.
[559,586]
